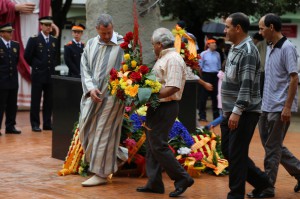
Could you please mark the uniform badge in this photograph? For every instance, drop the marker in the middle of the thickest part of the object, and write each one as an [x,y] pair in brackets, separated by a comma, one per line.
[40,45]
[53,44]
[1,50]
[15,50]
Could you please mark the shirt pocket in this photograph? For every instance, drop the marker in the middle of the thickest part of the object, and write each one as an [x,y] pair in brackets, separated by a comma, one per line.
[231,70]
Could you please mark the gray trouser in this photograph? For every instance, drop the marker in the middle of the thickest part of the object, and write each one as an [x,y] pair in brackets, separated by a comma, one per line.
[272,133]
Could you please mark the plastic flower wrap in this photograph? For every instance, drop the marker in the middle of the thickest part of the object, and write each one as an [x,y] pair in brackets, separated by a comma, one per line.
[134,85]
[190,60]
[186,46]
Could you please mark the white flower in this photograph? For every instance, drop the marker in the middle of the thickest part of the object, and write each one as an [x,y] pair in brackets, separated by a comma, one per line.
[184,151]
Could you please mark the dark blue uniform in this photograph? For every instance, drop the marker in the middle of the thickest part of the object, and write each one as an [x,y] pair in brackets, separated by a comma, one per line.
[42,59]
[9,58]
[72,55]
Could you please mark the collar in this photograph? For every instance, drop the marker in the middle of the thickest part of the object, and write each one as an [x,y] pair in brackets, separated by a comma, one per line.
[247,39]
[280,42]
[113,39]
[45,36]
[76,41]
[5,42]
[165,51]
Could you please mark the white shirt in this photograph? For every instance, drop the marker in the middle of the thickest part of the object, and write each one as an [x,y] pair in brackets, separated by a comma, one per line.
[45,37]
[6,42]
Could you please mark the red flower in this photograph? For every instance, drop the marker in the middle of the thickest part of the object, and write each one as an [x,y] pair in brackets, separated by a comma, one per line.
[113,74]
[124,45]
[129,36]
[120,94]
[144,69]
[182,45]
[135,76]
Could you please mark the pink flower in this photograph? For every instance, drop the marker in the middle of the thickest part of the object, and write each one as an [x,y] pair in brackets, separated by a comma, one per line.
[129,143]
[128,108]
[197,156]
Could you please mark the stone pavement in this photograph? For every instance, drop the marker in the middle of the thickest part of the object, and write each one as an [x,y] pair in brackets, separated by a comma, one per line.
[28,171]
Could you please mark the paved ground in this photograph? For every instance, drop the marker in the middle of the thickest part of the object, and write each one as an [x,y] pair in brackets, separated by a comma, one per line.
[28,171]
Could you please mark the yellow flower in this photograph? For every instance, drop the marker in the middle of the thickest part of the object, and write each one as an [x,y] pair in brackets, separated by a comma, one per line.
[125,67]
[149,82]
[132,90]
[133,63]
[114,84]
[142,110]
[127,56]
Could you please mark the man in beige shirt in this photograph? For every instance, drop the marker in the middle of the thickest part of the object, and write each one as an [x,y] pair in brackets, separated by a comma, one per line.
[170,72]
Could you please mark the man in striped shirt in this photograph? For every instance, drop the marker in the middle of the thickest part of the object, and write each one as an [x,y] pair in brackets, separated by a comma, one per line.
[241,103]
[279,100]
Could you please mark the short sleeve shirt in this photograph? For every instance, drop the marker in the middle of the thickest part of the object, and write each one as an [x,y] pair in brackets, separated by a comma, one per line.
[170,72]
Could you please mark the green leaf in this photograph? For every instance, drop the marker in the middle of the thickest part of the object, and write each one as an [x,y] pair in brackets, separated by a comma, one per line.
[144,95]
[151,76]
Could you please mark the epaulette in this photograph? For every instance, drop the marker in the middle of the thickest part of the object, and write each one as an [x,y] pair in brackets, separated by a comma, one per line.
[35,36]
[15,41]
[69,43]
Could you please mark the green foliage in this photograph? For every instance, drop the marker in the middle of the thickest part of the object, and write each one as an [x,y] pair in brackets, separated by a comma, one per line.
[144,94]
[201,10]
[196,12]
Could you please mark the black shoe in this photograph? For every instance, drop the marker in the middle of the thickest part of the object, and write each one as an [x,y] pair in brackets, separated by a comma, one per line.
[258,194]
[12,131]
[297,187]
[36,129]
[145,189]
[47,128]
[253,193]
[178,191]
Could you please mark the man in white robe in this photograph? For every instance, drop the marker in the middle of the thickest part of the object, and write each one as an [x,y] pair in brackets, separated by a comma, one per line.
[101,116]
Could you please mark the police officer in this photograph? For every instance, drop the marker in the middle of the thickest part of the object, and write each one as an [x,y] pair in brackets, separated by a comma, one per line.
[40,54]
[73,51]
[9,57]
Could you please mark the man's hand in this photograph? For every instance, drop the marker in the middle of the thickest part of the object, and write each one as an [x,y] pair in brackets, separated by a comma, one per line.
[26,8]
[233,121]
[208,86]
[95,95]
[55,29]
[286,114]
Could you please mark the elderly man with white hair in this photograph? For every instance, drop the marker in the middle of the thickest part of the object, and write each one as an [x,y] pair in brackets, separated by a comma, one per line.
[170,72]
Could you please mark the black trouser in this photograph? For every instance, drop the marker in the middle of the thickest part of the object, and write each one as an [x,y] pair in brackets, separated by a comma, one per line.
[36,95]
[8,104]
[235,147]
[213,79]
[159,155]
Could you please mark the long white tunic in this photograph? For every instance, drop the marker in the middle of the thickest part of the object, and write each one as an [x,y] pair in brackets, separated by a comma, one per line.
[100,123]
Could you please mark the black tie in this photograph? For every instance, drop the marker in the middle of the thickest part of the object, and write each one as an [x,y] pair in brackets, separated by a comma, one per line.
[47,40]
[8,46]
[78,44]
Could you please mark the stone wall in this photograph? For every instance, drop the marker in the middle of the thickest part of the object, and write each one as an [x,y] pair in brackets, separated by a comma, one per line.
[122,13]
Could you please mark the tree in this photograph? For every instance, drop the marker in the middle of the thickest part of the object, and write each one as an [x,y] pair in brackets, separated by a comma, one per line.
[196,12]
[59,14]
